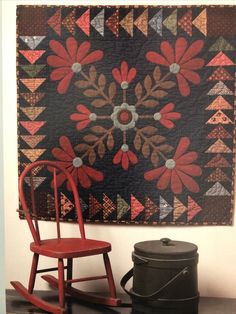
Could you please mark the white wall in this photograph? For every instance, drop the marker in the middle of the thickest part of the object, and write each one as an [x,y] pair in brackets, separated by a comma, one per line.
[217,245]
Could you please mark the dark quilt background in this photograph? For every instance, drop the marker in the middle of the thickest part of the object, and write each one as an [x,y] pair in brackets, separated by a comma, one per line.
[124,194]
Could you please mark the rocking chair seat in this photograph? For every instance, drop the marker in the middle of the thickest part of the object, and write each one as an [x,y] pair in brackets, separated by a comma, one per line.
[70,247]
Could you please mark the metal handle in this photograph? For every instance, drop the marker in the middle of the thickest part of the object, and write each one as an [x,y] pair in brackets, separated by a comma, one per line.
[157,293]
[165,241]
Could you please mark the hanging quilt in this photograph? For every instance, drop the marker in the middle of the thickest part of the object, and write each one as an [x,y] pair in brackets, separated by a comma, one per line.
[137,102]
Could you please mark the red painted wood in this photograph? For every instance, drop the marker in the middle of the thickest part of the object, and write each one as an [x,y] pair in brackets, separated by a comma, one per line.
[61,248]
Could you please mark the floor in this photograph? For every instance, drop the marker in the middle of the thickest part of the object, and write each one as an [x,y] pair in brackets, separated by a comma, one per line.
[16,304]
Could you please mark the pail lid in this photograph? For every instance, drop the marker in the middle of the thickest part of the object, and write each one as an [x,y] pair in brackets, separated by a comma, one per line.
[165,249]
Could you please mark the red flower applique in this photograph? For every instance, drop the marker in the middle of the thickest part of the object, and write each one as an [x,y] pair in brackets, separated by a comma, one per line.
[67,159]
[84,117]
[124,75]
[125,157]
[166,116]
[181,61]
[178,172]
[69,61]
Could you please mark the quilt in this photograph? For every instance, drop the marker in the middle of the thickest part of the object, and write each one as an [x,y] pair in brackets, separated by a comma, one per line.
[137,102]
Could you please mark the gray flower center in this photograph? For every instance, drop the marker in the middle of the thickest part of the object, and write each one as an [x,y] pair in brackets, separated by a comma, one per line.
[93,116]
[170,164]
[174,68]
[157,116]
[77,162]
[76,67]
[124,148]
[124,85]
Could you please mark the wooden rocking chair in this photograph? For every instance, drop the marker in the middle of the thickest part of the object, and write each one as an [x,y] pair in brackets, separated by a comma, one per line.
[60,248]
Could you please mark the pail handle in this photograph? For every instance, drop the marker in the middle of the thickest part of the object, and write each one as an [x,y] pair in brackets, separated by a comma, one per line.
[157,293]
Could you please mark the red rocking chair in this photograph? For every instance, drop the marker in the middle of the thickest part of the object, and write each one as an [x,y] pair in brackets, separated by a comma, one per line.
[60,248]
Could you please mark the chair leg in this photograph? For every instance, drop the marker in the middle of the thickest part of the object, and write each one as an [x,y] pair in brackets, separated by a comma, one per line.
[61,283]
[110,278]
[33,272]
[69,270]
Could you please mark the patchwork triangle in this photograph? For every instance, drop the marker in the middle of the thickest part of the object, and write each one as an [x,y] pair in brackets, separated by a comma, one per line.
[217,190]
[142,22]
[108,207]
[220,60]
[83,22]
[32,41]
[69,22]
[220,103]
[220,74]
[32,69]
[122,207]
[221,44]
[200,22]
[219,132]
[150,208]
[217,176]
[156,22]
[219,147]
[33,154]
[66,206]
[55,22]
[179,209]
[171,22]
[136,207]
[32,126]
[219,117]
[165,208]
[94,206]
[218,161]
[193,209]
[98,22]
[186,22]
[128,23]
[32,112]
[33,140]
[37,181]
[32,55]
[220,89]
[113,23]
[32,98]
[33,83]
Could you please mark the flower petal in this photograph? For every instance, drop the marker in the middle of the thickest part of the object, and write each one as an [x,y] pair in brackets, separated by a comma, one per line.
[64,83]
[180,48]
[187,158]
[82,125]
[182,147]
[154,173]
[164,180]
[167,123]
[171,115]
[66,146]
[93,173]
[125,161]
[82,50]
[167,108]
[191,76]
[168,51]
[194,64]
[132,157]
[92,57]
[60,179]
[59,50]
[83,109]
[79,117]
[83,178]
[131,74]
[124,70]
[155,57]
[183,85]
[192,170]
[72,46]
[57,62]
[60,154]
[192,51]
[117,76]
[117,157]
[59,73]
[188,182]
[176,184]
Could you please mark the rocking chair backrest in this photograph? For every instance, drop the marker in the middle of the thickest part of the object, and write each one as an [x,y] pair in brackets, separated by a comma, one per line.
[31,215]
